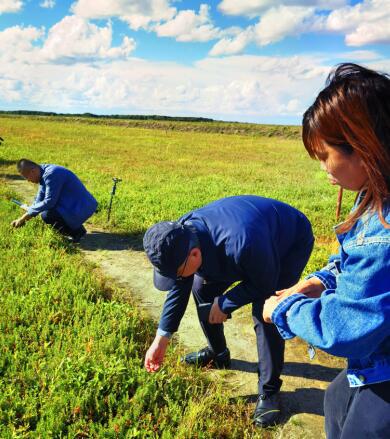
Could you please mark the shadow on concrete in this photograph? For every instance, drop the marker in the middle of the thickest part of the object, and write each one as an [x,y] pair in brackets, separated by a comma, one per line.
[5,162]
[311,371]
[304,400]
[243,366]
[101,240]
[303,370]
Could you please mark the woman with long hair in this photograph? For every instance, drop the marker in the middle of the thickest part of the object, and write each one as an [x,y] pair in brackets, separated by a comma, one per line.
[344,309]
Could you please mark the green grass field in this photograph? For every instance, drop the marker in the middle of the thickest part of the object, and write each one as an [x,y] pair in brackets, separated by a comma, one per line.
[166,172]
[71,361]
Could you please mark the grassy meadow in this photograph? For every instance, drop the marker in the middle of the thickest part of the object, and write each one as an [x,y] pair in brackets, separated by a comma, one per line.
[72,351]
[71,362]
[168,172]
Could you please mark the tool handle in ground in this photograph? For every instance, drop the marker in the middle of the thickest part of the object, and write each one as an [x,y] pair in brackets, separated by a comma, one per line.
[204,312]
[116,180]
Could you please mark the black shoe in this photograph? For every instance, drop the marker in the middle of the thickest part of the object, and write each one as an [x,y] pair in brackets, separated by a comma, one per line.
[206,357]
[267,410]
[79,234]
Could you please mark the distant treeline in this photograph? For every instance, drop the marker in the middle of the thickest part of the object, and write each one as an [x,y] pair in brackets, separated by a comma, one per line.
[112,116]
[166,123]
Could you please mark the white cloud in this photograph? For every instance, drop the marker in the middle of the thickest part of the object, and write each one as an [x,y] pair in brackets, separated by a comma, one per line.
[74,66]
[257,88]
[189,26]
[10,6]
[254,8]
[274,25]
[251,87]
[260,85]
[17,44]
[364,23]
[75,39]
[277,23]
[234,45]
[47,4]
[10,90]
[359,55]
[137,13]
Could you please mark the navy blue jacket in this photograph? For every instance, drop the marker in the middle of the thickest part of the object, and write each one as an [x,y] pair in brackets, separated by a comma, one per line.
[242,238]
[62,190]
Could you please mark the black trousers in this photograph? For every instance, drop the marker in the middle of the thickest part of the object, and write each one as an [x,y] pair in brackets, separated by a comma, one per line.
[54,219]
[357,412]
[270,345]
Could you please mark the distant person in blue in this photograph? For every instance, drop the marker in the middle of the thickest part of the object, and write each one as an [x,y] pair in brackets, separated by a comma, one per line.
[344,309]
[62,199]
[261,243]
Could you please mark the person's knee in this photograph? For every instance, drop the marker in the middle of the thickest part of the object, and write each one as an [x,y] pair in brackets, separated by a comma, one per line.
[257,313]
[47,217]
[197,286]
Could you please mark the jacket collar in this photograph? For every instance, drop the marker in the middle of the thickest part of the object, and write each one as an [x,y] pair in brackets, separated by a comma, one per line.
[210,260]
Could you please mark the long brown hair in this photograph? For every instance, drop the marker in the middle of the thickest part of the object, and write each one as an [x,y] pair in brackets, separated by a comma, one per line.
[352,113]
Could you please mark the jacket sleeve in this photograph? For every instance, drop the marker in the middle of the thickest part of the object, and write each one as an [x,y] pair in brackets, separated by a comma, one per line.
[351,320]
[260,266]
[53,186]
[40,194]
[329,273]
[175,305]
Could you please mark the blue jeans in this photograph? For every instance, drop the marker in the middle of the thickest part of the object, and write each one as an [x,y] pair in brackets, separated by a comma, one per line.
[357,412]
[54,219]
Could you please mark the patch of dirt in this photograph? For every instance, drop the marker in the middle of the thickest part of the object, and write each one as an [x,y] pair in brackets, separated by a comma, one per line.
[304,381]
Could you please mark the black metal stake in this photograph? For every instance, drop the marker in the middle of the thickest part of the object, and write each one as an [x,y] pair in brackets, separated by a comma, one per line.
[116,181]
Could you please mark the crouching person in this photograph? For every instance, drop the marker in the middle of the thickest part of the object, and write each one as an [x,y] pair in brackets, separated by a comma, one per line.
[264,244]
[62,200]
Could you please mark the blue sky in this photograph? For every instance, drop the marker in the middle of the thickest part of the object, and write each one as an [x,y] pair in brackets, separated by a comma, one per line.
[249,60]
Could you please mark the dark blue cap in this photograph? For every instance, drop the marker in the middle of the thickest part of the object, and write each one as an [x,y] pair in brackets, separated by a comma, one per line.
[167,245]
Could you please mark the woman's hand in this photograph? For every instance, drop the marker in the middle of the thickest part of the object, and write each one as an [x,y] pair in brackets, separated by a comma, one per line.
[312,288]
[269,306]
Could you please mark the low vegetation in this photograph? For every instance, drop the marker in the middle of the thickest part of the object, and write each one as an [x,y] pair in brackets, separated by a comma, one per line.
[72,350]
[71,362]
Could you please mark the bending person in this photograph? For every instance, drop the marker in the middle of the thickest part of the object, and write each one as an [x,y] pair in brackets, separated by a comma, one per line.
[344,309]
[263,244]
[62,199]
